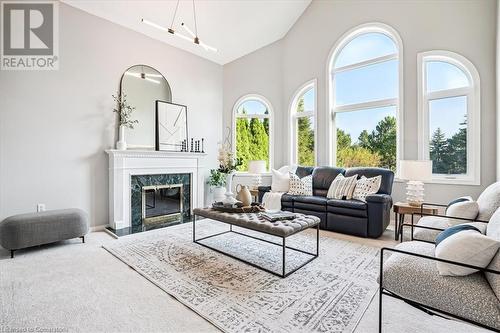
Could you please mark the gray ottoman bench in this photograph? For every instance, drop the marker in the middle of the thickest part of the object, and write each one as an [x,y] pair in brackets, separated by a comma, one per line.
[26,230]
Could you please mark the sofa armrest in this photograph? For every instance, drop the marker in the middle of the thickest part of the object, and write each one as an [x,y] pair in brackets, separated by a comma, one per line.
[379,213]
[379,198]
[262,190]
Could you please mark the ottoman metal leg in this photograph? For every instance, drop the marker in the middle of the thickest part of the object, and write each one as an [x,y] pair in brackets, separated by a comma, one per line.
[12,254]
[83,239]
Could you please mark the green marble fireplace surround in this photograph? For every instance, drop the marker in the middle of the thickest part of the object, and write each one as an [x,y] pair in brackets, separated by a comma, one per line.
[138,181]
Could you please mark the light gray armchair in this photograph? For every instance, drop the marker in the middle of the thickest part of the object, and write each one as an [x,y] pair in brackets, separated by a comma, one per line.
[411,274]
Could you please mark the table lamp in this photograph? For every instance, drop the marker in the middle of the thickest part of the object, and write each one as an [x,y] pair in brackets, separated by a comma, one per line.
[416,172]
[257,168]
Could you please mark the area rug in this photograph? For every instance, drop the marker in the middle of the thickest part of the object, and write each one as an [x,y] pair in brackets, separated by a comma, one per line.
[330,294]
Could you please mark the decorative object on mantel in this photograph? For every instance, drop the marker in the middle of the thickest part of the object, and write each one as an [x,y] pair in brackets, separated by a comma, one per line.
[257,168]
[124,110]
[416,172]
[171,126]
[217,180]
[144,85]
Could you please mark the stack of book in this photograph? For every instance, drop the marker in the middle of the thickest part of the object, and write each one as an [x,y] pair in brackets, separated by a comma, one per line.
[277,216]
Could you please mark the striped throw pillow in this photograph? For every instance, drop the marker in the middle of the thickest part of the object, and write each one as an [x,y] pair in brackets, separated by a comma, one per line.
[342,187]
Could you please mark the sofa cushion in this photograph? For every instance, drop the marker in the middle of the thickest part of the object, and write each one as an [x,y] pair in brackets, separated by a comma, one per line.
[313,203]
[323,178]
[300,186]
[489,201]
[342,187]
[493,231]
[347,207]
[280,181]
[418,279]
[366,186]
[303,171]
[387,177]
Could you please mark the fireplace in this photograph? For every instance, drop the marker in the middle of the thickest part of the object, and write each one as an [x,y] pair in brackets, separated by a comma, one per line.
[161,203]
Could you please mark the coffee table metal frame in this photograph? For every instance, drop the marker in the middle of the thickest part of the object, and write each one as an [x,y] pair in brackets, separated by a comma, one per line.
[283,245]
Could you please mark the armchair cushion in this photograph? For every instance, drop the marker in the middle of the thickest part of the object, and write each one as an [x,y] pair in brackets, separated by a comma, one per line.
[467,209]
[489,201]
[418,279]
[433,222]
[466,244]
[493,231]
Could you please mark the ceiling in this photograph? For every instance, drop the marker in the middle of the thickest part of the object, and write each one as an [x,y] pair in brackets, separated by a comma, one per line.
[235,28]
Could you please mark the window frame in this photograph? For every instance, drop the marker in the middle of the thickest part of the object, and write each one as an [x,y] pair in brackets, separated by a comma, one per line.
[374,27]
[293,116]
[472,92]
[270,116]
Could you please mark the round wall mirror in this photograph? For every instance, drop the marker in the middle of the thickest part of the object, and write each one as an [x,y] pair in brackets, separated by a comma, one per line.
[143,86]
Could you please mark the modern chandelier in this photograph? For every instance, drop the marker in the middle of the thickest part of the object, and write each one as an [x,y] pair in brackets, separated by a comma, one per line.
[194,35]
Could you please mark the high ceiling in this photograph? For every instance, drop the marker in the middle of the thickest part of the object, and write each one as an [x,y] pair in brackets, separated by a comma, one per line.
[235,28]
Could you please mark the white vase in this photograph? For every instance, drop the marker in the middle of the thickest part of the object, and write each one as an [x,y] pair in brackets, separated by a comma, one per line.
[219,192]
[121,144]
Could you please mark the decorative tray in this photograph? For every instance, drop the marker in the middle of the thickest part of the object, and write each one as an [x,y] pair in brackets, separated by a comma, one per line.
[255,207]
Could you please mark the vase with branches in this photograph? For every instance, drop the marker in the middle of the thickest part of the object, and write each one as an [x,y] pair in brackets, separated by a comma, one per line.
[124,111]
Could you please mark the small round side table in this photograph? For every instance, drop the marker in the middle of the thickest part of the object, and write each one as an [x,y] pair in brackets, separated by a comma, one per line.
[402,208]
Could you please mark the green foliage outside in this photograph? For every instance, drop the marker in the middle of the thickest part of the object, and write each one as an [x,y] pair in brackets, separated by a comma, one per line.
[449,155]
[252,140]
[376,149]
[305,138]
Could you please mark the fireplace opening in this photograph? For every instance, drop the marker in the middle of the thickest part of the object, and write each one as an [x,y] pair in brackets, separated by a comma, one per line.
[161,203]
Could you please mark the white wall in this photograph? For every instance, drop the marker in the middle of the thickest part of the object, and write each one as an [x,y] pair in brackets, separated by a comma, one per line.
[55,125]
[466,27]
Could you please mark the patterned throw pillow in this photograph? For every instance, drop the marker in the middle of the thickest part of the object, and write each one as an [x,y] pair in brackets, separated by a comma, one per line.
[300,186]
[366,186]
[342,187]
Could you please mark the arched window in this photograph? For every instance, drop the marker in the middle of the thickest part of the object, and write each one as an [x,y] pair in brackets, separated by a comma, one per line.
[252,130]
[365,95]
[449,116]
[303,125]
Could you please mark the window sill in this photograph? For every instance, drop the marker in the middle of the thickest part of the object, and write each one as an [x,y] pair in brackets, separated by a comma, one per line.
[465,182]
[251,175]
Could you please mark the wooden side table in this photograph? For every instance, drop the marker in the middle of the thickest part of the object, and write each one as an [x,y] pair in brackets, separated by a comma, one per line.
[402,208]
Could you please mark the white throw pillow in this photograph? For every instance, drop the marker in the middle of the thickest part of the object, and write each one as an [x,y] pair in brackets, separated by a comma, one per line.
[466,209]
[342,187]
[366,186]
[280,181]
[300,186]
[489,201]
[465,244]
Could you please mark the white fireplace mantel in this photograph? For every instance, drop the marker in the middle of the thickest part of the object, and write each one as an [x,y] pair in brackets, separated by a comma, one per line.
[125,163]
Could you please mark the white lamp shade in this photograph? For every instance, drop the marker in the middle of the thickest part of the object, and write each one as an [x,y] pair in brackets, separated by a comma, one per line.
[417,170]
[257,167]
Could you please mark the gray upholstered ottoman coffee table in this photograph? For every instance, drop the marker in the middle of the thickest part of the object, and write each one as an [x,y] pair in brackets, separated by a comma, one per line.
[252,221]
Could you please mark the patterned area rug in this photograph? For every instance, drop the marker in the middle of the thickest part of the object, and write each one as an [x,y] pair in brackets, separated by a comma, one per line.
[330,294]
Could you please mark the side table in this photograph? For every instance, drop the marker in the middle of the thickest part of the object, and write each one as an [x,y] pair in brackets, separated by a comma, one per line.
[402,208]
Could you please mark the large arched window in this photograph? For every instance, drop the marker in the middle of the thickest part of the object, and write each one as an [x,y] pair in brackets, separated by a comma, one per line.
[303,125]
[365,75]
[252,130]
[449,116]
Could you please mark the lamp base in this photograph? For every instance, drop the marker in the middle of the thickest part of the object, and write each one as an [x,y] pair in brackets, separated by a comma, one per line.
[415,193]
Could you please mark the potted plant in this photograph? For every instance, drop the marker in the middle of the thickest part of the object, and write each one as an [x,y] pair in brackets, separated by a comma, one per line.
[125,111]
[217,181]
[228,164]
